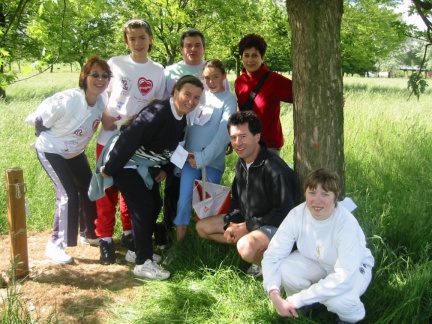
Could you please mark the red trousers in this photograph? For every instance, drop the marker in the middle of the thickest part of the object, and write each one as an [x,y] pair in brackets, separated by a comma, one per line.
[107,208]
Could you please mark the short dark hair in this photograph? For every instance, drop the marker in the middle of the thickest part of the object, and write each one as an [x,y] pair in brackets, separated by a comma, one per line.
[215,63]
[134,24]
[329,181]
[187,79]
[192,32]
[86,69]
[243,117]
[253,40]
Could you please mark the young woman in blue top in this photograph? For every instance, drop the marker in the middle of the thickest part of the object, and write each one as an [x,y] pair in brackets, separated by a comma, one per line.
[206,140]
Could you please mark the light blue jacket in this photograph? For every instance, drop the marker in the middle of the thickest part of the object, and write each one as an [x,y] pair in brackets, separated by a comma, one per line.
[206,132]
[98,183]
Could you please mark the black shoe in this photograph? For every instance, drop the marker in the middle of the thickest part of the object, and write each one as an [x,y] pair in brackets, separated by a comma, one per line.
[128,241]
[314,308]
[107,251]
[161,234]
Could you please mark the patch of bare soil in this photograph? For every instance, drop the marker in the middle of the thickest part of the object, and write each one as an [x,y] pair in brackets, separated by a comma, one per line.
[82,292]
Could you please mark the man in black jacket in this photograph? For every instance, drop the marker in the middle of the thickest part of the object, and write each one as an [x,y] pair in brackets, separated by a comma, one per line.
[263,192]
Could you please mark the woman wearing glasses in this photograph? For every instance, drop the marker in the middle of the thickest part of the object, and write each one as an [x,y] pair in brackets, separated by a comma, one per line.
[65,123]
[137,80]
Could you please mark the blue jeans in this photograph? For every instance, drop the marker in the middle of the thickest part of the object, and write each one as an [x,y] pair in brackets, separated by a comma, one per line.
[188,175]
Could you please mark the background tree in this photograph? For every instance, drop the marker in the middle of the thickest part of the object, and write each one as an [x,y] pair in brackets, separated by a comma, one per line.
[317,82]
[369,32]
[317,86]
[276,31]
[417,83]
[222,21]
[411,54]
[71,31]
[13,16]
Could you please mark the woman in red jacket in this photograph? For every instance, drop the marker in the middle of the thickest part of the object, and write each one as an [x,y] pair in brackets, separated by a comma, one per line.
[276,88]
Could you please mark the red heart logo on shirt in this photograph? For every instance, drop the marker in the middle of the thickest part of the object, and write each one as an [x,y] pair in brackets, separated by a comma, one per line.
[145,85]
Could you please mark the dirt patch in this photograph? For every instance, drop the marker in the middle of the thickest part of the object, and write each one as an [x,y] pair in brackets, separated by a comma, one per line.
[82,292]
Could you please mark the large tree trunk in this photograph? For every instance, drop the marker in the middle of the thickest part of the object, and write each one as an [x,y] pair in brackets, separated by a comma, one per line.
[317,86]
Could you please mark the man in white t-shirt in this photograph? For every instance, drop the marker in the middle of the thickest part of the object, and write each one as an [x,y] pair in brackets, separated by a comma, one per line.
[192,48]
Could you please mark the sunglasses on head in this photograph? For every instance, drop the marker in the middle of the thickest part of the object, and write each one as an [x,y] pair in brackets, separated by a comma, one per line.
[97,75]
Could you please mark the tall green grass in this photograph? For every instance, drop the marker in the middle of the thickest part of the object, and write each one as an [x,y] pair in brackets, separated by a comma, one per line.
[389,174]
[16,137]
[388,153]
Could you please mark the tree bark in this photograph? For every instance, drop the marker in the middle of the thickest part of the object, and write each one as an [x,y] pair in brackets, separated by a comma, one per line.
[317,86]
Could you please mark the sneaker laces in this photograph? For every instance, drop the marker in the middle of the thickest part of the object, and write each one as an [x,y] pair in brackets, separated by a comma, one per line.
[154,266]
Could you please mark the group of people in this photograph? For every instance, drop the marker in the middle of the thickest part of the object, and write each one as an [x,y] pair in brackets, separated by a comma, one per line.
[315,252]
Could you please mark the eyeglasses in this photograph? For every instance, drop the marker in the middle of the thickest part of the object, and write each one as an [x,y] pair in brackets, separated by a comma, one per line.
[97,75]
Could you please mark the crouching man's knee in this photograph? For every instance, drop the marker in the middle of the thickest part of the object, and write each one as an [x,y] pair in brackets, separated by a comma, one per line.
[201,230]
[251,247]
[349,309]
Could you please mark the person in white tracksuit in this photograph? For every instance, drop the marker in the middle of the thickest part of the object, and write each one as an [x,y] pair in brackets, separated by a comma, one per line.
[332,265]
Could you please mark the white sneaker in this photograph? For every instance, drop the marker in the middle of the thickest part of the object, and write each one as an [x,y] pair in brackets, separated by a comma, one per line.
[151,270]
[161,248]
[57,253]
[89,241]
[254,270]
[169,258]
[131,257]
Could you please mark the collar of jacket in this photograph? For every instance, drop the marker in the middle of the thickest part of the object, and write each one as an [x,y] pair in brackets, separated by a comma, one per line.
[258,73]
[262,155]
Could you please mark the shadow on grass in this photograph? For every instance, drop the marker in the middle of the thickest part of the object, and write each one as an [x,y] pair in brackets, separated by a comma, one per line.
[113,278]
[209,285]
[88,273]
[175,304]
[83,307]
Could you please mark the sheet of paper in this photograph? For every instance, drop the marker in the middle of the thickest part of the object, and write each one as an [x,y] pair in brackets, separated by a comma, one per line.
[179,156]
[203,115]
[348,203]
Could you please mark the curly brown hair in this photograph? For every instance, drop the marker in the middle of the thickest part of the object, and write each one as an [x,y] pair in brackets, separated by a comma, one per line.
[253,40]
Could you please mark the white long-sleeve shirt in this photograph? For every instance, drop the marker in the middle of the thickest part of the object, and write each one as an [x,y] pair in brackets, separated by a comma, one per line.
[338,244]
[71,122]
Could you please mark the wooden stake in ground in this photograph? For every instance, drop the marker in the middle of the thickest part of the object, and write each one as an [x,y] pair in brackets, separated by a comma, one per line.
[16,190]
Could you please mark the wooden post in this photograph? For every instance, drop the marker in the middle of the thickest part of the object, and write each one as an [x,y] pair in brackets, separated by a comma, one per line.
[16,190]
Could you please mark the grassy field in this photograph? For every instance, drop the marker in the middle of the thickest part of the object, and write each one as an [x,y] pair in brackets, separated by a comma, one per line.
[388,151]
